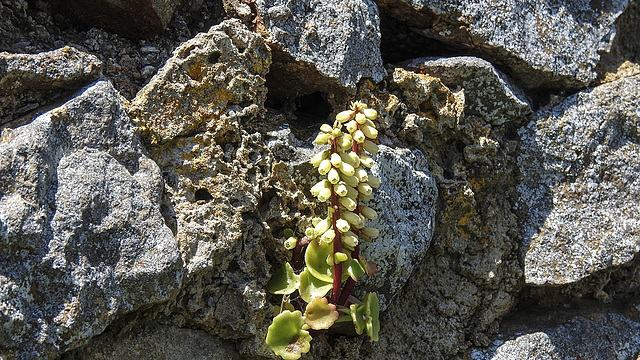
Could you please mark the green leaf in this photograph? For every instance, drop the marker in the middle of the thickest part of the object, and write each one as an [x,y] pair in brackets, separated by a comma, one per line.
[355,269]
[371,311]
[316,260]
[287,232]
[311,287]
[284,281]
[320,314]
[357,315]
[286,337]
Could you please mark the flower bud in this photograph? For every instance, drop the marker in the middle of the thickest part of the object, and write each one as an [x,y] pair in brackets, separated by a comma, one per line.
[310,233]
[370,231]
[369,131]
[344,115]
[370,114]
[360,118]
[374,181]
[368,212]
[324,195]
[346,158]
[317,158]
[335,160]
[346,169]
[290,243]
[352,192]
[333,176]
[364,189]
[370,146]
[336,132]
[322,226]
[353,218]
[350,180]
[342,225]
[355,159]
[315,189]
[322,138]
[345,142]
[359,137]
[339,257]
[340,189]
[326,128]
[328,236]
[352,126]
[362,175]
[324,167]
[366,161]
[365,197]
[348,203]
[350,239]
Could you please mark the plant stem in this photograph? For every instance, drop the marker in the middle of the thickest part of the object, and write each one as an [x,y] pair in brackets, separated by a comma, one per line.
[337,241]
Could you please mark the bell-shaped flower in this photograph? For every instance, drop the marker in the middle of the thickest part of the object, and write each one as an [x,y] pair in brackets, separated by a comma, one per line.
[326,128]
[360,118]
[370,232]
[323,138]
[348,203]
[369,131]
[352,218]
[328,236]
[343,225]
[317,158]
[352,126]
[336,160]
[346,169]
[344,116]
[366,160]
[370,146]
[333,176]
[349,239]
[368,212]
[290,243]
[374,181]
[324,167]
[322,184]
[322,226]
[370,114]
[340,189]
[364,189]
[350,180]
[359,137]
[362,175]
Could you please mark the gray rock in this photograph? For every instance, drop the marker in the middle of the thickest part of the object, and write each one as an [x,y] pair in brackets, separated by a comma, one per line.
[83,240]
[153,341]
[215,173]
[406,206]
[321,45]
[28,81]
[488,93]
[543,44]
[135,19]
[608,337]
[580,194]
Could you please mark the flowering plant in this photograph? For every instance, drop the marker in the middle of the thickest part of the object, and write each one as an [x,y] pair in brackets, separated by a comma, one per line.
[331,247]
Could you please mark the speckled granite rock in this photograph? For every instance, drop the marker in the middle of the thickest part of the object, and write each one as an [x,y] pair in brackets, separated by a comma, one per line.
[580,191]
[607,337]
[488,93]
[543,44]
[82,239]
[28,81]
[321,45]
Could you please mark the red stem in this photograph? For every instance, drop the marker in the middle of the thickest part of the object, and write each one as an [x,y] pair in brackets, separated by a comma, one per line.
[337,241]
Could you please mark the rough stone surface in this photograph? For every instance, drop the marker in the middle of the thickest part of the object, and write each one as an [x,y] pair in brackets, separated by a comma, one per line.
[580,163]
[405,202]
[135,19]
[488,93]
[149,340]
[83,240]
[30,81]
[606,337]
[543,44]
[192,113]
[321,45]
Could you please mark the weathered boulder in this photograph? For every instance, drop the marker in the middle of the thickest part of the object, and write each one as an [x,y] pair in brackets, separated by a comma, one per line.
[542,44]
[488,93]
[28,81]
[191,114]
[321,45]
[135,19]
[82,240]
[579,195]
[605,337]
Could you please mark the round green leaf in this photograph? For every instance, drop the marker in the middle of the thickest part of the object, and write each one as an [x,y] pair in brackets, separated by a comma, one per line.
[311,287]
[284,281]
[286,337]
[320,314]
